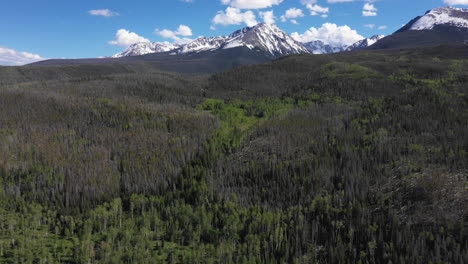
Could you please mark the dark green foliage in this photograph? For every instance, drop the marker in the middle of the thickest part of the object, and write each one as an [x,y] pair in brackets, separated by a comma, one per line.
[354,158]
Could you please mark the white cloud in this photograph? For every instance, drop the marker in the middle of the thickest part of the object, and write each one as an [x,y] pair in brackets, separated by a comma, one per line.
[316,10]
[292,13]
[268,17]
[10,57]
[369,10]
[187,1]
[125,38]
[456,2]
[331,34]
[251,4]
[234,16]
[382,27]
[369,7]
[369,26]
[182,30]
[294,21]
[102,12]
[166,33]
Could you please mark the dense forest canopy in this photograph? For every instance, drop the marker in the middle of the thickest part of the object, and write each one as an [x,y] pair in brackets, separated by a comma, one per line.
[357,157]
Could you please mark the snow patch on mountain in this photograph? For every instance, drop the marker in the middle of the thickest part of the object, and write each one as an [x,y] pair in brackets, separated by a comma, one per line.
[143,48]
[457,17]
[362,44]
[203,44]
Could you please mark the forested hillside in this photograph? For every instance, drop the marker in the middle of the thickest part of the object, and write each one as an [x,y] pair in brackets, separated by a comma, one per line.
[356,157]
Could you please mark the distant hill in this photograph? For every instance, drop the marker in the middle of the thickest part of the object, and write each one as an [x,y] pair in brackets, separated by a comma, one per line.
[201,62]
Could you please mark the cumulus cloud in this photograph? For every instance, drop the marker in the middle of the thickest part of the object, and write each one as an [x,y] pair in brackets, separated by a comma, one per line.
[382,27]
[166,33]
[184,30]
[234,16]
[292,13]
[11,57]
[268,17]
[125,38]
[175,35]
[251,4]
[331,34]
[456,2]
[102,12]
[316,10]
[369,10]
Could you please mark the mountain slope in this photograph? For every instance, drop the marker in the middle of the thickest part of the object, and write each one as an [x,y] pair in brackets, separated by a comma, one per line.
[438,26]
[443,16]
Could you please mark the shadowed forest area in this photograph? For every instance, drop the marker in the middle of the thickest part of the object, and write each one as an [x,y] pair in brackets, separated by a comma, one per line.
[357,157]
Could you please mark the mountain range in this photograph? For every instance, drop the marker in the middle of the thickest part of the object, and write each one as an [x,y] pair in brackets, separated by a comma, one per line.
[268,38]
[265,42]
[437,26]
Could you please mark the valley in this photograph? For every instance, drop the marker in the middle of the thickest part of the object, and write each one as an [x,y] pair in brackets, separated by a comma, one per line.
[354,157]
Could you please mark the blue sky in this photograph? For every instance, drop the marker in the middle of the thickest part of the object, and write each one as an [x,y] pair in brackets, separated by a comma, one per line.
[86,28]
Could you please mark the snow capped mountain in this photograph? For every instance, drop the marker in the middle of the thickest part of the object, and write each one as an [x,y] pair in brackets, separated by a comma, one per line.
[320,47]
[362,44]
[146,48]
[439,26]
[267,37]
[447,16]
[263,36]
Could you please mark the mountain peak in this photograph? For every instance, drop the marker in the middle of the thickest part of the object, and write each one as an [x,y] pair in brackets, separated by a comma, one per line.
[267,37]
[441,16]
